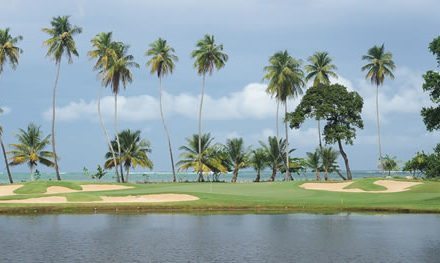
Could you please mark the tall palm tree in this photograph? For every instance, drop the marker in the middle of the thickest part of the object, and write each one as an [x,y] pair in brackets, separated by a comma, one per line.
[208,56]
[379,65]
[119,72]
[313,161]
[320,69]
[9,52]
[60,43]
[237,155]
[30,149]
[134,152]
[200,162]
[104,50]
[258,161]
[286,80]
[274,152]
[329,159]
[162,63]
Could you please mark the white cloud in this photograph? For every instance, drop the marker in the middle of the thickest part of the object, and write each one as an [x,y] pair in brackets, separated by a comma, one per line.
[6,110]
[250,103]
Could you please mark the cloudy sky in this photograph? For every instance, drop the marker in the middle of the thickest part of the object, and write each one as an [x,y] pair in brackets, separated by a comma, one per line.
[236,104]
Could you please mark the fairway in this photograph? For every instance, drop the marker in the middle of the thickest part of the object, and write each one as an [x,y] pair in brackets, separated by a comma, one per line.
[246,197]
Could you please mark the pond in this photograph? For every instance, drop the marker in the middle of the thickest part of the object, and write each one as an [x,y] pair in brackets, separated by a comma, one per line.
[220,238]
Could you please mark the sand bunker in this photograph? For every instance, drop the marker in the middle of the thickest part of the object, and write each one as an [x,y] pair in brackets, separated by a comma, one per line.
[6,190]
[153,198]
[392,186]
[86,188]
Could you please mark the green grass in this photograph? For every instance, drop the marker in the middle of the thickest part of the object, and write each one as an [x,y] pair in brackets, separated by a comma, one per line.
[40,187]
[247,197]
[366,184]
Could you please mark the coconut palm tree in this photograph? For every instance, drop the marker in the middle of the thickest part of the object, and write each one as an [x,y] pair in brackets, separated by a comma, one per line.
[313,161]
[274,152]
[162,63]
[104,50]
[258,161]
[9,53]
[208,57]
[119,72]
[60,43]
[389,164]
[379,65]
[134,152]
[320,69]
[30,149]
[205,161]
[238,156]
[329,159]
[286,80]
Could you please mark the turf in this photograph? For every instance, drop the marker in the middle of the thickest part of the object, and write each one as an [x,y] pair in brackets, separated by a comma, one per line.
[249,197]
[366,184]
[40,187]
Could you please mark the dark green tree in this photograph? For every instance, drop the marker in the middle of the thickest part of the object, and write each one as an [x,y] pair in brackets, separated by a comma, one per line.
[341,111]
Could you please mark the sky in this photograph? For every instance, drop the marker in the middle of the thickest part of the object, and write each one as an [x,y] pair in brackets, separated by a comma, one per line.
[236,103]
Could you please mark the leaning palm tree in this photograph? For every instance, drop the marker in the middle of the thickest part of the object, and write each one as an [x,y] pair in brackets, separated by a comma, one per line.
[60,43]
[162,63]
[134,152]
[104,50]
[238,156]
[30,149]
[274,153]
[313,161]
[119,72]
[379,65]
[205,161]
[320,69]
[286,80]
[9,53]
[329,159]
[258,161]
[208,56]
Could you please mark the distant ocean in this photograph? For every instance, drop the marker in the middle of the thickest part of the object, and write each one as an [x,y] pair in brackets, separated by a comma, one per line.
[244,176]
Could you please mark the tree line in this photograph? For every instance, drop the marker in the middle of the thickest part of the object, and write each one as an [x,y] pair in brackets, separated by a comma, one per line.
[331,105]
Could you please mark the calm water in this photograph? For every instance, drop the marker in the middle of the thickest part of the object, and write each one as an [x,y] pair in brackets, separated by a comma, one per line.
[244,176]
[220,238]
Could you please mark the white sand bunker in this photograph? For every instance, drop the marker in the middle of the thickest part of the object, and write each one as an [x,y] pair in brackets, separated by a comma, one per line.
[392,186]
[86,188]
[153,198]
[6,190]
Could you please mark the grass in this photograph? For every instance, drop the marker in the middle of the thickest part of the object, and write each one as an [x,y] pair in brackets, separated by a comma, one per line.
[40,187]
[245,197]
[366,184]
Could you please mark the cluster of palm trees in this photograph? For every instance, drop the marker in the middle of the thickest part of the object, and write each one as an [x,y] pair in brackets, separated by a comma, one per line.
[286,77]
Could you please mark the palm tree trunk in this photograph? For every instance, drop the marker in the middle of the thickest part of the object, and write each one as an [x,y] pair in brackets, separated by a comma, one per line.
[277,120]
[6,161]
[235,175]
[257,179]
[101,122]
[344,155]
[319,134]
[274,173]
[57,171]
[32,173]
[318,178]
[288,176]
[200,179]
[117,136]
[127,173]
[326,174]
[166,130]
[378,128]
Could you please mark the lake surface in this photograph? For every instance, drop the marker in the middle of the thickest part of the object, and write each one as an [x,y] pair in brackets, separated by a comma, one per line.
[220,238]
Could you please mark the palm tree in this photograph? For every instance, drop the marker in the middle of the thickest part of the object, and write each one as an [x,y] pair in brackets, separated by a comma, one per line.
[9,52]
[274,152]
[60,43]
[320,69]
[118,72]
[313,161]
[258,161]
[208,56]
[329,161]
[286,79]
[379,65]
[104,50]
[237,155]
[389,164]
[30,149]
[134,152]
[201,162]
[162,63]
